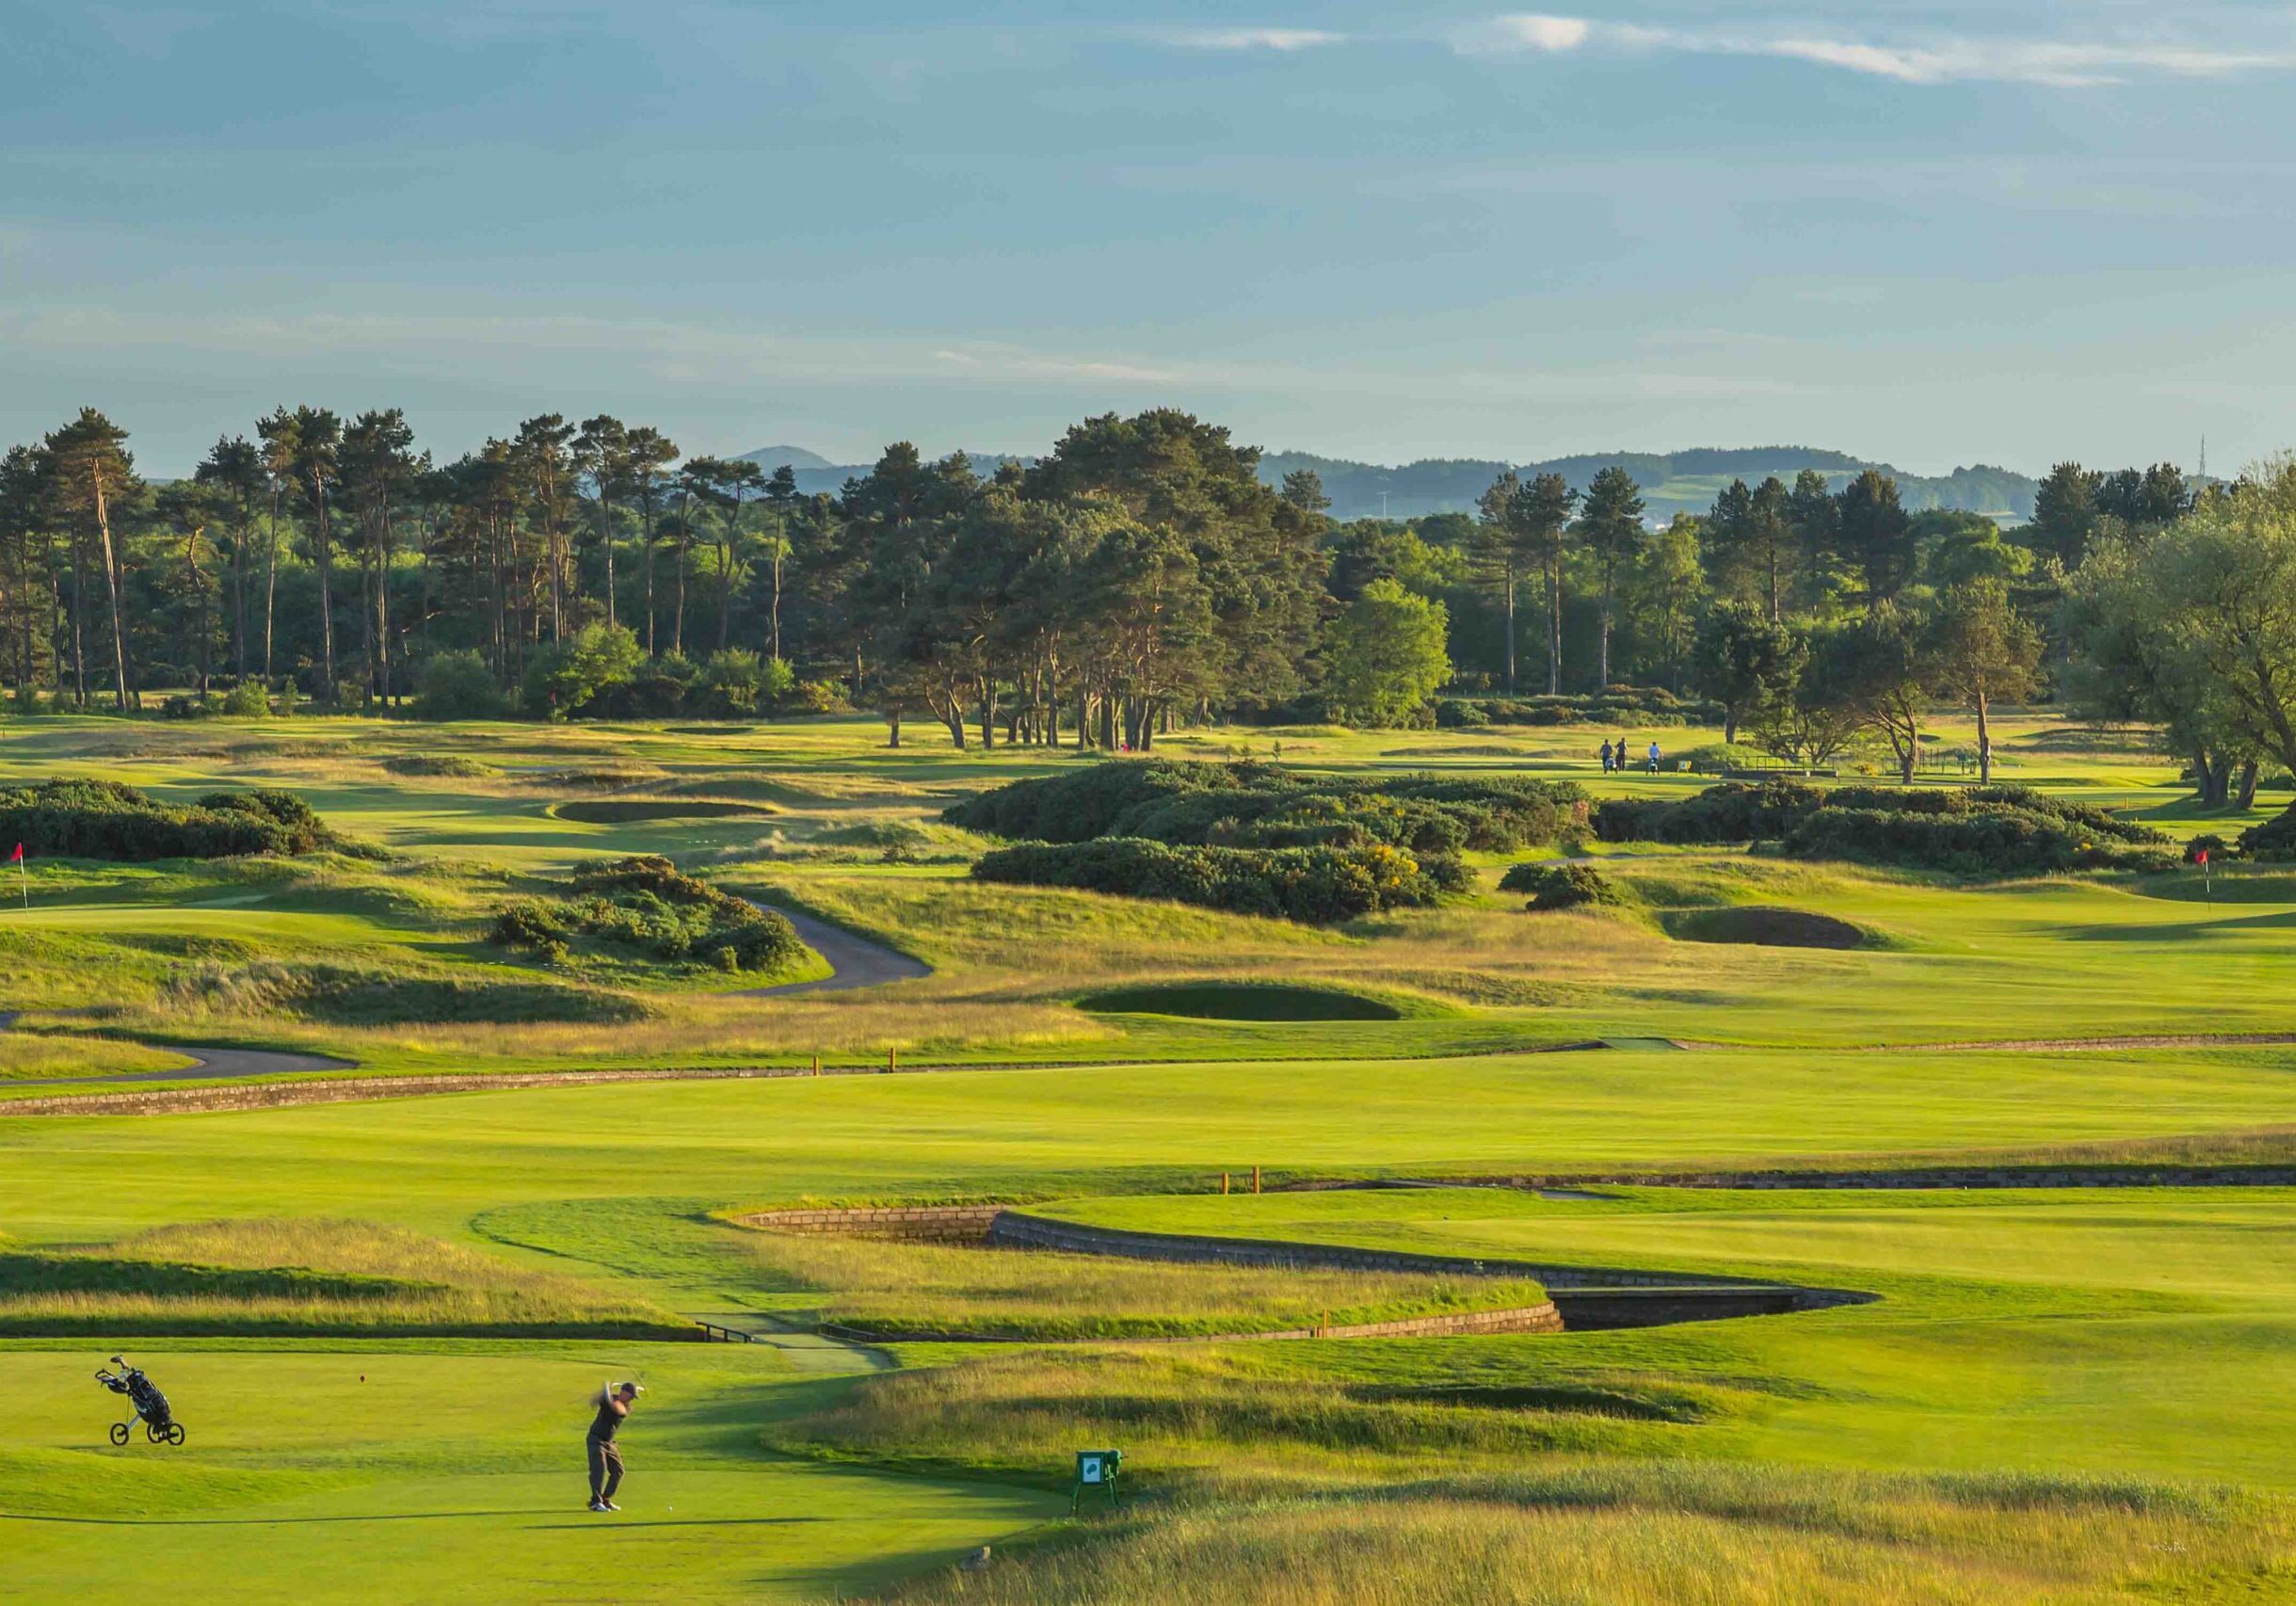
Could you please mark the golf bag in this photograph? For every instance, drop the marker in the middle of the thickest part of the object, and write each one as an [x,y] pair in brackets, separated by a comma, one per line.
[146,1405]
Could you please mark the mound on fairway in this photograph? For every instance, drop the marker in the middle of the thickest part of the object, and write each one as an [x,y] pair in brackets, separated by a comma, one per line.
[1769,927]
[1239,1000]
[224,1278]
[635,810]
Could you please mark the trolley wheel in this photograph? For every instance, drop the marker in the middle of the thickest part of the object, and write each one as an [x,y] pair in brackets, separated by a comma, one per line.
[120,1433]
[152,1433]
[176,1433]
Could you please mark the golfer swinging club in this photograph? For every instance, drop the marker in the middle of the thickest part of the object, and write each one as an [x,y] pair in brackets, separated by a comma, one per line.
[614,1403]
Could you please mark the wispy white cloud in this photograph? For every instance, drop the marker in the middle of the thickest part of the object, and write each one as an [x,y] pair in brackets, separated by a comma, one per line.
[1527,30]
[1252,39]
[1941,59]
[693,353]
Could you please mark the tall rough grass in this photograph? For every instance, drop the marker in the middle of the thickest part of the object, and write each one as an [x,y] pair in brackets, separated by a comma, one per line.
[302,1276]
[1186,1415]
[895,1289]
[1660,1537]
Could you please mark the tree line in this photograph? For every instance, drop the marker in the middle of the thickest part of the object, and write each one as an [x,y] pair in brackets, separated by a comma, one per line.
[1139,573]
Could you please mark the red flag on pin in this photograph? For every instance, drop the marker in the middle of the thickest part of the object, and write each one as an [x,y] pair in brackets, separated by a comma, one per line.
[17,857]
[2200,856]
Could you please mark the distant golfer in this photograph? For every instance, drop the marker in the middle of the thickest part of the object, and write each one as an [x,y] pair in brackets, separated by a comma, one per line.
[1654,757]
[614,1403]
[1606,755]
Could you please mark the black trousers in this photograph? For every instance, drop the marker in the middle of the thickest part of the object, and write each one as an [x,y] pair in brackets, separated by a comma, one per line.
[606,1468]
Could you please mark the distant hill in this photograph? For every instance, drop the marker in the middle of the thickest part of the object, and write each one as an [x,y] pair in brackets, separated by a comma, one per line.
[772,457]
[1671,482]
[815,473]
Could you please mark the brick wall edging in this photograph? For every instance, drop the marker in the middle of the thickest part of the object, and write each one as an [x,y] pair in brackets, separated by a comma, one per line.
[940,1222]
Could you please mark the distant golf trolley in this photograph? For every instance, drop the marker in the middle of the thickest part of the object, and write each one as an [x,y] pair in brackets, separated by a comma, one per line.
[146,1405]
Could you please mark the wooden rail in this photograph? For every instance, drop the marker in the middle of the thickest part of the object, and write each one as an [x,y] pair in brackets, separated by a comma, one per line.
[713,1333]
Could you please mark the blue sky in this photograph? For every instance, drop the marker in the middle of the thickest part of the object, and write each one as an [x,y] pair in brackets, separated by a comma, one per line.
[1933,233]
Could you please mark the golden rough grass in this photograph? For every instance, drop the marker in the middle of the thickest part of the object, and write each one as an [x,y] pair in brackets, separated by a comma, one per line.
[343,1276]
[891,1287]
[1195,1413]
[23,1057]
[1749,1536]
[734,1031]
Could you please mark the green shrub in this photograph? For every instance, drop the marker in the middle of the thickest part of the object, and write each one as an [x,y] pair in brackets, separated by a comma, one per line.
[565,676]
[731,682]
[2216,847]
[247,700]
[457,686]
[108,820]
[817,697]
[1559,886]
[1313,885]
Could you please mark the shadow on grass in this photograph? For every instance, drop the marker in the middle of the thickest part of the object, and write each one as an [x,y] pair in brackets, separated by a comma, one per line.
[2180,931]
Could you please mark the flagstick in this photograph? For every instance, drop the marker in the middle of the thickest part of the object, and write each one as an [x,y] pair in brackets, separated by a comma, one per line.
[24,875]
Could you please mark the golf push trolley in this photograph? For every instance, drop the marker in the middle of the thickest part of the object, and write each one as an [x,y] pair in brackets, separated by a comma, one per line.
[146,1405]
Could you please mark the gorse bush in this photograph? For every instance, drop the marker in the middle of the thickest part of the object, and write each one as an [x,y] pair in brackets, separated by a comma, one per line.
[1642,707]
[647,906]
[1257,839]
[1314,885]
[2272,839]
[2023,799]
[1261,804]
[1559,886]
[1982,830]
[108,820]
[1731,812]
[1984,841]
